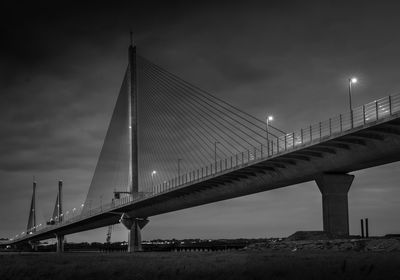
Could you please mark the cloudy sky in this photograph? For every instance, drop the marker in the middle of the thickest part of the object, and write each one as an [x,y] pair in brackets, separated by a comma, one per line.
[61,66]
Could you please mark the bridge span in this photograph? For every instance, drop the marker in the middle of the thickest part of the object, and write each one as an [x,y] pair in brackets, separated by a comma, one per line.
[325,152]
[326,160]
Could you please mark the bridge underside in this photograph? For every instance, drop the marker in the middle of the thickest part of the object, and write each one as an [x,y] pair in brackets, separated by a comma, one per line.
[325,162]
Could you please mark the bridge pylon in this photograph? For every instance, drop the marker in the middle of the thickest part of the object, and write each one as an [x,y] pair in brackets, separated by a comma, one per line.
[134,225]
[133,186]
[31,227]
[59,237]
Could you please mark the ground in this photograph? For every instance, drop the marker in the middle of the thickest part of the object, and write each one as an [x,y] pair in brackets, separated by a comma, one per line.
[241,264]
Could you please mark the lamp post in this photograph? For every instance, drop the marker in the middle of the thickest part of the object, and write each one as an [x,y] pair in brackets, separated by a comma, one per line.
[152,178]
[215,154]
[351,81]
[269,119]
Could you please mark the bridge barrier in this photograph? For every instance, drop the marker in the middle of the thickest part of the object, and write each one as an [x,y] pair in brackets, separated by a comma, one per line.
[312,134]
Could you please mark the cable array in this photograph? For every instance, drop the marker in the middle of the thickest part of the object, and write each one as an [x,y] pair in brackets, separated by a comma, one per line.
[181,128]
[180,124]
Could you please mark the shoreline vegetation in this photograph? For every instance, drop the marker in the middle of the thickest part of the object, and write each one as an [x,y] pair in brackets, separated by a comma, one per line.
[238,264]
[373,258]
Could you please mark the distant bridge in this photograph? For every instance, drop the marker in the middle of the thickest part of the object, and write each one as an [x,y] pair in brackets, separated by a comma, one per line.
[208,151]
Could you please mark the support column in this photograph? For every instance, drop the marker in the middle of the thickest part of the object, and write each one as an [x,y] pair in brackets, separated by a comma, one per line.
[134,225]
[135,238]
[60,243]
[335,210]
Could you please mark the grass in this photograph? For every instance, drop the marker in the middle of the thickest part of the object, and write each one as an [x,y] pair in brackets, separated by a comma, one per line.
[202,265]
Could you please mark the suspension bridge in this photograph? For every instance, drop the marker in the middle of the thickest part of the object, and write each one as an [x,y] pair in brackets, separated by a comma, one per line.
[171,146]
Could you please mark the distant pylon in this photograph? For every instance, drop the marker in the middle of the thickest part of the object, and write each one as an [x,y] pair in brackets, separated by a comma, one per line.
[31,227]
[59,201]
[57,212]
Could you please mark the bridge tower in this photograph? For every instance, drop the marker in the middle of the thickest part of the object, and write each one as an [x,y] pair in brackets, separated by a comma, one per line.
[60,237]
[133,224]
[133,121]
[31,227]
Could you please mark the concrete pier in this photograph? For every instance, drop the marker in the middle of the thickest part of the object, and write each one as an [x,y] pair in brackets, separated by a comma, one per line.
[60,243]
[135,235]
[134,226]
[135,238]
[334,189]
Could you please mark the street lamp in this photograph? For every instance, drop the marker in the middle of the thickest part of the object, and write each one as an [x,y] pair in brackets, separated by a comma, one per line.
[215,154]
[269,119]
[152,178]
[352,80]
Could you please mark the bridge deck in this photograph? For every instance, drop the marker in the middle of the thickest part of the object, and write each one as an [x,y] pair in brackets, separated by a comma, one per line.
[369,136]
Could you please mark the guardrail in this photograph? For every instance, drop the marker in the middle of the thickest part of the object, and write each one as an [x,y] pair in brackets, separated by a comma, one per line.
[312,134]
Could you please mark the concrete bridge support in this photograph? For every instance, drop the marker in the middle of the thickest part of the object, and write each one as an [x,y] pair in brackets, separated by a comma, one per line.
[135,237]
[134,225]
[335,209]
[60,243]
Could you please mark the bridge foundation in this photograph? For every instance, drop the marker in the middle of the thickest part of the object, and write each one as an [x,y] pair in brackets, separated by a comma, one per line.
[335,209]
[134,225]
[60,243]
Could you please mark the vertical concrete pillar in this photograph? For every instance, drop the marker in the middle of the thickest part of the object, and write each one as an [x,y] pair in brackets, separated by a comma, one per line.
[135,238]
[134,226]
[60,243]
[335,210]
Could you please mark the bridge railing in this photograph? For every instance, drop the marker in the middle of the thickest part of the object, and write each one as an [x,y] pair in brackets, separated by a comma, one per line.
[309,135]
[354,119]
